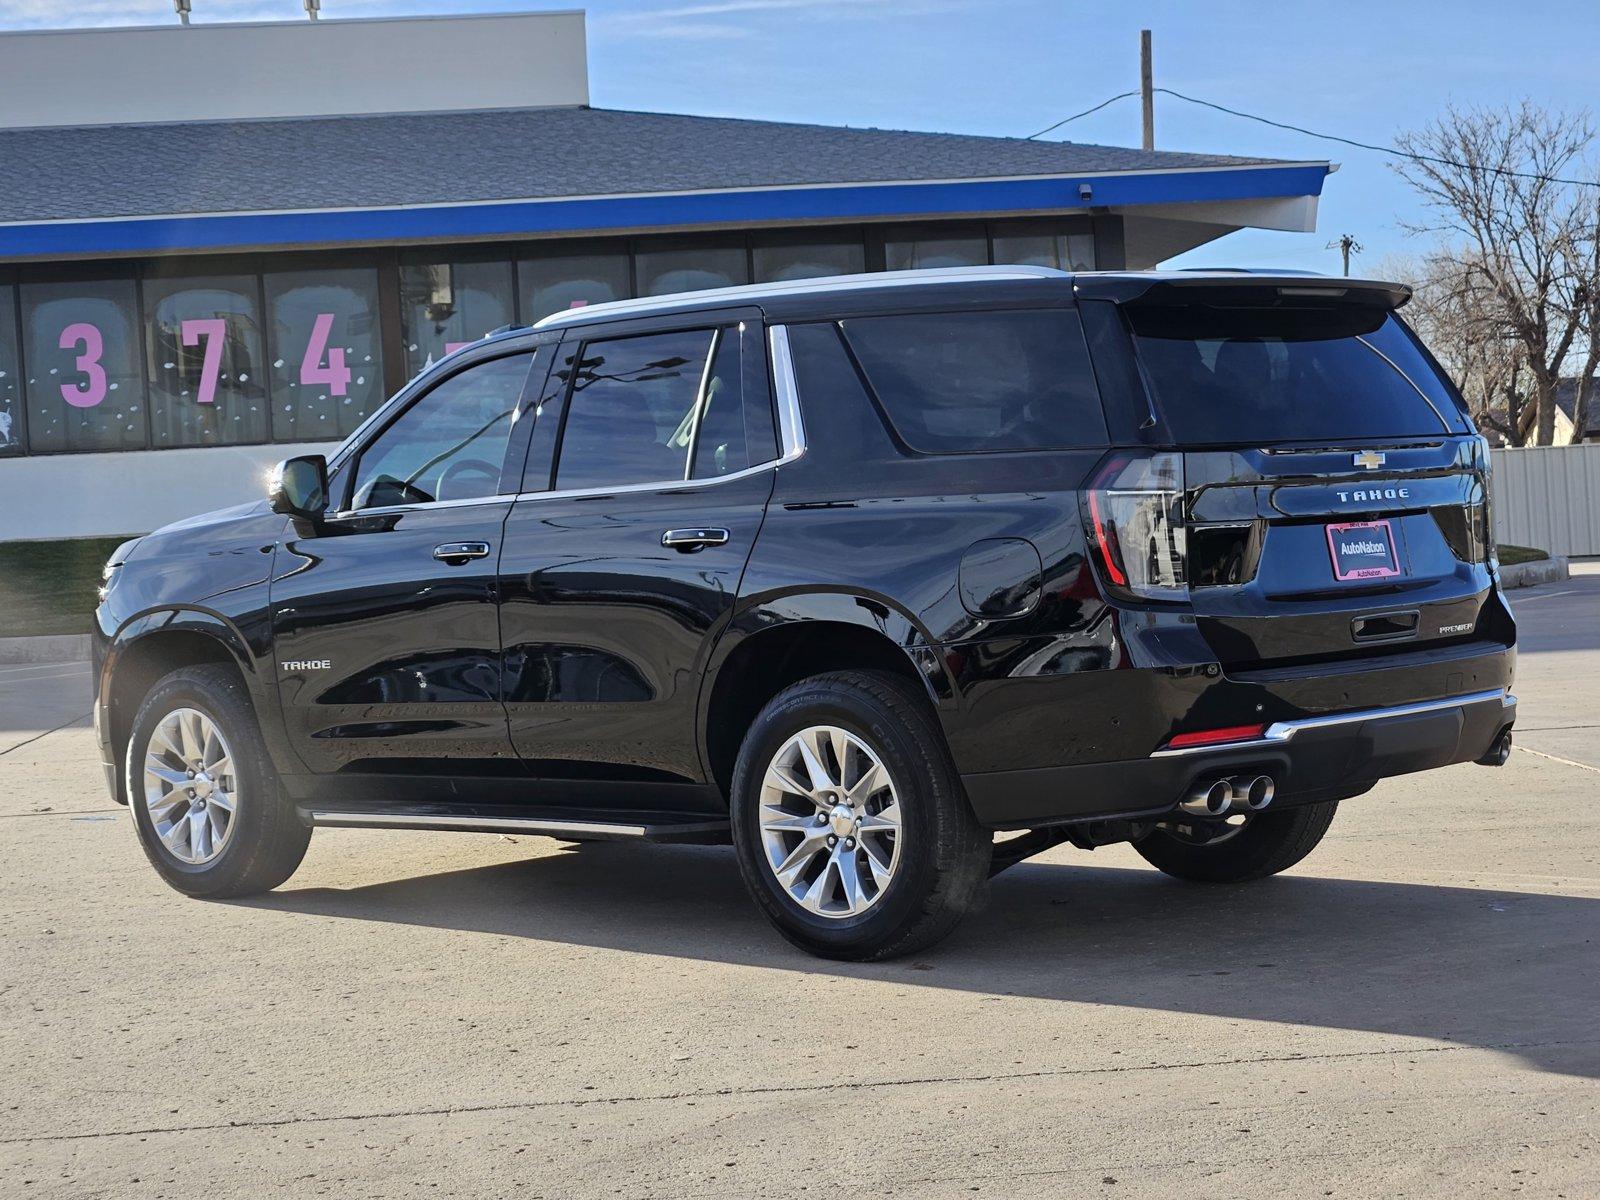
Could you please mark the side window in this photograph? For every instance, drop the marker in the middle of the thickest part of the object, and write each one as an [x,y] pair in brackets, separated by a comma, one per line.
[736,428]
[450,444]
[953,383]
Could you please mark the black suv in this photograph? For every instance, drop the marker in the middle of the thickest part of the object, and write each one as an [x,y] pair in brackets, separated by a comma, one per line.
[892,580]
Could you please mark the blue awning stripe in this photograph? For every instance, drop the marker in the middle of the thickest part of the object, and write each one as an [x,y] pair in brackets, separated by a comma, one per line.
[143,235]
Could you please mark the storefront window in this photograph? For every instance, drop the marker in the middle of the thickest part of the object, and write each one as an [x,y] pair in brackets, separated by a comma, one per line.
[554,283]
[448,304]
[10,376]
[806,260]
[1065,251]
[206,360]
[926,252]
[690,269]
[327,362]
[83,382]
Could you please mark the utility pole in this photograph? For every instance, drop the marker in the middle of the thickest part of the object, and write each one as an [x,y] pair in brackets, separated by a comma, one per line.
[183,10]
[313,8]
[1347,245]
[1147,90]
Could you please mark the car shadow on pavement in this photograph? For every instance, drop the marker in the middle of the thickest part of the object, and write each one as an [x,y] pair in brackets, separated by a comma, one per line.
[1504,970]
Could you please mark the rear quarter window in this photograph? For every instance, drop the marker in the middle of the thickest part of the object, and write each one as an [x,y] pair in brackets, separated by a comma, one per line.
[953,383]
[1250,376]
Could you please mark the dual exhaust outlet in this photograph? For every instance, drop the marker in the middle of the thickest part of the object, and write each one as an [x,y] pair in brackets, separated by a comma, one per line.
[1220,797]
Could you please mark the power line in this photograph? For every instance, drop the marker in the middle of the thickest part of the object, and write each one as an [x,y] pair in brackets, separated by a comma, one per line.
[1084,113]
[1392,151]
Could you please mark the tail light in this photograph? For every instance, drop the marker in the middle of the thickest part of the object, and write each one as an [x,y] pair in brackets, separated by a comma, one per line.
[1134,520]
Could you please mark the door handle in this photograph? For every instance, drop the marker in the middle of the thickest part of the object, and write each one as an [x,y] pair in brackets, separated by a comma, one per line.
[456,553]
[689,540]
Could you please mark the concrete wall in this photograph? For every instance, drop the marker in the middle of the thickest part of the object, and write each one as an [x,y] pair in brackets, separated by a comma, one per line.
[1548,497]
[96,495]
[291,69]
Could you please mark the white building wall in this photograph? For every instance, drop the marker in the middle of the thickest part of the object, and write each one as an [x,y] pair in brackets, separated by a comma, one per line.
[98,495]
[207,72]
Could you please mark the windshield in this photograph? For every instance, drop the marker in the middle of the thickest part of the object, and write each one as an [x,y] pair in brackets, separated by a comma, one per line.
[1245,375]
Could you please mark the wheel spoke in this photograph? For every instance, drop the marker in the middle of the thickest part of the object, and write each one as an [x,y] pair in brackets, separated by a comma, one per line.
[782,819]
[223,800]
[779,778]
[820,779]
[199,835]
[873,779]
[175,837]
[879,867]
[222,766]
[791,868]
[168,775]
[167,734]
[849,880]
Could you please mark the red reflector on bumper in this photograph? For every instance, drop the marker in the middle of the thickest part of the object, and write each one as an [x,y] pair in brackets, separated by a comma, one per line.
[1208,737]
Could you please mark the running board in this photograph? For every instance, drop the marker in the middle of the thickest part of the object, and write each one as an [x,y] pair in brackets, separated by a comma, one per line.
[598,827]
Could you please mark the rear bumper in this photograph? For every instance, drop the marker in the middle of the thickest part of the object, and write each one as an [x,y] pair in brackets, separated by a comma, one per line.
[1323,757]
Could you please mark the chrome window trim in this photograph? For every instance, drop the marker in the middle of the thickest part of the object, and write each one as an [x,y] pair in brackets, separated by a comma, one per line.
[1280,732]
[349,513]
[791,437]
[791,424]
[711,298]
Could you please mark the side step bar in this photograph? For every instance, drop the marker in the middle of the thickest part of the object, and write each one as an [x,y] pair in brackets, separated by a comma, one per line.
[608,827]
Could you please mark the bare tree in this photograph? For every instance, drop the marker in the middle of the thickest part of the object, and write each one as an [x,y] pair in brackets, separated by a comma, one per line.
[1507,192]
[1453,313]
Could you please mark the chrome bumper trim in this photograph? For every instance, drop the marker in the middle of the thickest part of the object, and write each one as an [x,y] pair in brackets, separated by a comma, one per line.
[1280,732]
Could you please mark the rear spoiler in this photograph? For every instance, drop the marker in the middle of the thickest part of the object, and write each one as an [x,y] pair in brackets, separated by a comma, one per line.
[1230,289]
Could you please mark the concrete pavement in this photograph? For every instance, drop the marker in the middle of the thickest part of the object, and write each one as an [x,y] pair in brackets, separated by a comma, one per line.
[1410,1012]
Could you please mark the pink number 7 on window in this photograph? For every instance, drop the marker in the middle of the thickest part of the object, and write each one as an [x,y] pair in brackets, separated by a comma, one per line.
[213,330]
[336,375]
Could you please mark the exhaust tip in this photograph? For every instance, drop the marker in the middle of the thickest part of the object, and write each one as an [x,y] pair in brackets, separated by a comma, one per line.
[1254,794]
[1208,799]
[1499,752]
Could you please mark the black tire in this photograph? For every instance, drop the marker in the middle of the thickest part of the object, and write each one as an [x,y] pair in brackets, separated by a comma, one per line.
[1269,843]
[267,839]
[943,856]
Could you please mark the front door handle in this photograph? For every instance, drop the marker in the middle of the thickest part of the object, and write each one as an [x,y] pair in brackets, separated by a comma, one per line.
[689,540]
[456,553]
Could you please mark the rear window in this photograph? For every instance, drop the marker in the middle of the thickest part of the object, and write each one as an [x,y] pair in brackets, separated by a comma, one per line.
[1239,375]
[953,383]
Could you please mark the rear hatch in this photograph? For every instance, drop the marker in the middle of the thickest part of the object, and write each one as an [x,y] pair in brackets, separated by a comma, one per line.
[1327,491]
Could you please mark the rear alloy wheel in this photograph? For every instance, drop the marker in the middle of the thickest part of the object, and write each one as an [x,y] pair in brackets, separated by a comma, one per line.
[852,830]
[830,822]
[1239,847]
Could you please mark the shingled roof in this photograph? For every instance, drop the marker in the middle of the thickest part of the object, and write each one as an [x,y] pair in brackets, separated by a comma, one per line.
[463,157]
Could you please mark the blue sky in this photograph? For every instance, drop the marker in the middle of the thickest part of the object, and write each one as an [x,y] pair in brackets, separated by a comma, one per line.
[1364,70]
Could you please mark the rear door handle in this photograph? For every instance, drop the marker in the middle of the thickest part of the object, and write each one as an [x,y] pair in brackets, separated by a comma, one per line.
[688,540]
[456,553]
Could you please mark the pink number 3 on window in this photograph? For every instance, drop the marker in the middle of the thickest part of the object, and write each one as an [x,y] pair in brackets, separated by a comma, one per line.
[336,375]
[93,388]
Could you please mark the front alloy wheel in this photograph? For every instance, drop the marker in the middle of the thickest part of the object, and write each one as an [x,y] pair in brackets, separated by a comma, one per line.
[830,822]
[189,786]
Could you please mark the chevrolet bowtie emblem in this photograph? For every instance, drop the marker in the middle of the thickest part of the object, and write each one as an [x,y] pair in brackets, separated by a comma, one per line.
[1370,459]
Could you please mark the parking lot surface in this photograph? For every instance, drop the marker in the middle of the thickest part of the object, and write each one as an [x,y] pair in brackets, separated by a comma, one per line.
[1412,1011]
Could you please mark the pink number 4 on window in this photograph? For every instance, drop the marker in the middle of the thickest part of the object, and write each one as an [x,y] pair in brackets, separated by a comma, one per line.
[336,375]
[211,331]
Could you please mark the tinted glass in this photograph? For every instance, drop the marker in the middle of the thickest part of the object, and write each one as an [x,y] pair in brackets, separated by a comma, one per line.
[630,416]
[327,368]
[205,356]
[842,424]
[84,380]
[806,260]
[554,283]
[450,444]
[445,305]
[722,442]
[910,254]
[1239,375]
[691,269]
[10,377]
[954,382]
